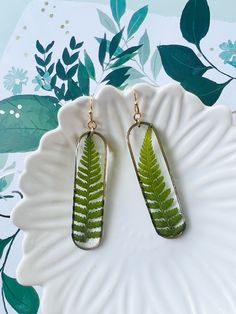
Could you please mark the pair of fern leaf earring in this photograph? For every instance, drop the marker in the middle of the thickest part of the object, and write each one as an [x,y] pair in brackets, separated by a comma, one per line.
[153,174]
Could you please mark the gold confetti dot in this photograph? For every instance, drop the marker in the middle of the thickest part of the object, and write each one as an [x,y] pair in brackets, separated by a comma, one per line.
[211,49]
[67,22]
[43,10]
[62,26]
[25,54]
[51,15]
[54,7]
[17,37]
[24,27]
[46,3]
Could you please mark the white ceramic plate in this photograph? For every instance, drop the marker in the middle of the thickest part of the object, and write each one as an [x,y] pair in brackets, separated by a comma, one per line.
[135,271]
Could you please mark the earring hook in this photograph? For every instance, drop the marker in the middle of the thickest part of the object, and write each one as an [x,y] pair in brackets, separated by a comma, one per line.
[92,125]
[137,114]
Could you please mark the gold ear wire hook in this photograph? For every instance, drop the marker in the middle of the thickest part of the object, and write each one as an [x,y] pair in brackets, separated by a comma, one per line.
[137,114]
[92,125]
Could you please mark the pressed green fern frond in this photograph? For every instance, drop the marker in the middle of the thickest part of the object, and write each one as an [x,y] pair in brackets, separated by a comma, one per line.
[167,219]
[88,195]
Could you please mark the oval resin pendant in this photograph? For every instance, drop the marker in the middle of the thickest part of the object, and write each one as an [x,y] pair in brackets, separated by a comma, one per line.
[89,190]
[155,180]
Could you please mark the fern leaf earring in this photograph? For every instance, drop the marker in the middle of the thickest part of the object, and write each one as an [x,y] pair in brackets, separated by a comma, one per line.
[89,187]
[154,177]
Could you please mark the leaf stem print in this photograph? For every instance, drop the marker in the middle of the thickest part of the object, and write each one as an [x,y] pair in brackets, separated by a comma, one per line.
[214,66]
[189,71]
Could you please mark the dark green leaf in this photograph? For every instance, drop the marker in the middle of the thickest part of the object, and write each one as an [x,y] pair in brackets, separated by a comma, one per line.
[83,78]
[117,77]
[60,92]
[123,60]
[66,57]
[79,45]
[118,50]
[74,89]
[49,46]
[3,244]
[129,51]
[48,59]
[51,68]
[39,61]
[136,20]
[114,44]
[181,62]
[72,43]
[102,50]
[22,131]
[156,64]
[118,8]
[61,73]
[40,47]
[74,57]
[23,300]
[71,72]
[107,22]
[195,21]
[89,65]
[207,90]
[53,81]
[144,51]
[40,71]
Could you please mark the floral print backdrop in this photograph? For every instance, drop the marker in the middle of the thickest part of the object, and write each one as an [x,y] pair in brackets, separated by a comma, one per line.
[62,50]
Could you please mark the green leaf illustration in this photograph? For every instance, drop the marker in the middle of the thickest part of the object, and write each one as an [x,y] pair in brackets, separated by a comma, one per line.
[40,47]
[129,51]
[114,44]
[74,90]
[23,300]
[144,51]
[61,72]
[167,219]
[156,64]
[71,72]
[136,20]
[118,50]
[49,46]
[67,59]
[123,60]
[6,181]
[26,118]
[117,77]
[3,244]
[102,50]
[195,21]
[118,8]
[89,65]
[107,22]
[88,195]
[134,74]
[72,43]
[39,61]
[207,90]
[181,62]
[83,78]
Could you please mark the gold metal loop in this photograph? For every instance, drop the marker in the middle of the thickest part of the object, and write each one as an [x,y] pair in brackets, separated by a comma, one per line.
[137,114]
[92,125]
